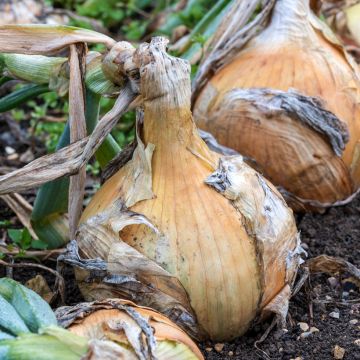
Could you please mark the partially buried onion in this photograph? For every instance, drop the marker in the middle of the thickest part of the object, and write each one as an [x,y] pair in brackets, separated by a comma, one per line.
[289,100]
[204,239]
[112,329]
[141,332]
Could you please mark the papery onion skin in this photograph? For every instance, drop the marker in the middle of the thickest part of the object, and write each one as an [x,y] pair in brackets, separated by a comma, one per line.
[204,240]
[92,327]
[291,53]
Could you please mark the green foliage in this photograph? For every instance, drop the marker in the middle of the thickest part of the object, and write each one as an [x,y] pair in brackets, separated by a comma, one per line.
[21,95]
[28,327]
[130,17]
[199,39]
[110,12]
[49,132]
[38,110]
[124,131]
[189,16]
[135,30]
[33,310]
[5,223]
[24,241]
[93,168]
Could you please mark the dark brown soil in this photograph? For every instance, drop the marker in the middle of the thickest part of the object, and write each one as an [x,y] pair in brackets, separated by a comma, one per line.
[335,233]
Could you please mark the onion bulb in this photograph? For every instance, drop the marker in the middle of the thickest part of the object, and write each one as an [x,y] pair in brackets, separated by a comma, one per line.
[289,100]
[142,333]
[111,329]
[204,239]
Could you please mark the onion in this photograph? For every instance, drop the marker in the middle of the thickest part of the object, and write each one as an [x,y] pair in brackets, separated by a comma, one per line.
[204,239]
[142,333]
[302,129]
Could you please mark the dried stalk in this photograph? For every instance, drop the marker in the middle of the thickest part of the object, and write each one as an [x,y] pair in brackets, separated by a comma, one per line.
[21,208]
[43,254]
[46,39]
[77,131]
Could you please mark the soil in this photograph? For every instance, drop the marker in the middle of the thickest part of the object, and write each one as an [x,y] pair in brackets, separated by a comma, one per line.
[335,233]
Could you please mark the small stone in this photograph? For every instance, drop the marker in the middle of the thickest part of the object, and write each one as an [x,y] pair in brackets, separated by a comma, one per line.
[333,282]
[304,335]
[345,295]
[9,150]
[208,349]
[279,333]
[281,349]
[230,353]
[353,321]
[339,352]
[27,156]
[335,315]
[357,342]
[303,326]
[218,347]
[327,297]
[305,246]
[314,329]
[14,156]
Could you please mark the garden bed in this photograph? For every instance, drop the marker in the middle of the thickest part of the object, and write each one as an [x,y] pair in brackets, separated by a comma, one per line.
[335,233]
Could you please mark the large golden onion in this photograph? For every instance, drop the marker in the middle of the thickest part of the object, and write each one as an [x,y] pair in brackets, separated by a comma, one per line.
[294,51]
[197,232]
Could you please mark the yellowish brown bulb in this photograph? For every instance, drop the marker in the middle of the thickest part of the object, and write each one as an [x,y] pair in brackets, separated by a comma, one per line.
[218,228]
[127,324]
[293,52]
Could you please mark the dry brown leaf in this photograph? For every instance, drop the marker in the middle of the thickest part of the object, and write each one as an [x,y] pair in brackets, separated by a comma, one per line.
[22,209]
[332,266]
[41,287]
[77,131]
[46,39]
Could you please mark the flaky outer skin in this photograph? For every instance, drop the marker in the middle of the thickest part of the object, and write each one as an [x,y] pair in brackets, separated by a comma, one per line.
[204,239]
[290,53]
[92,325]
